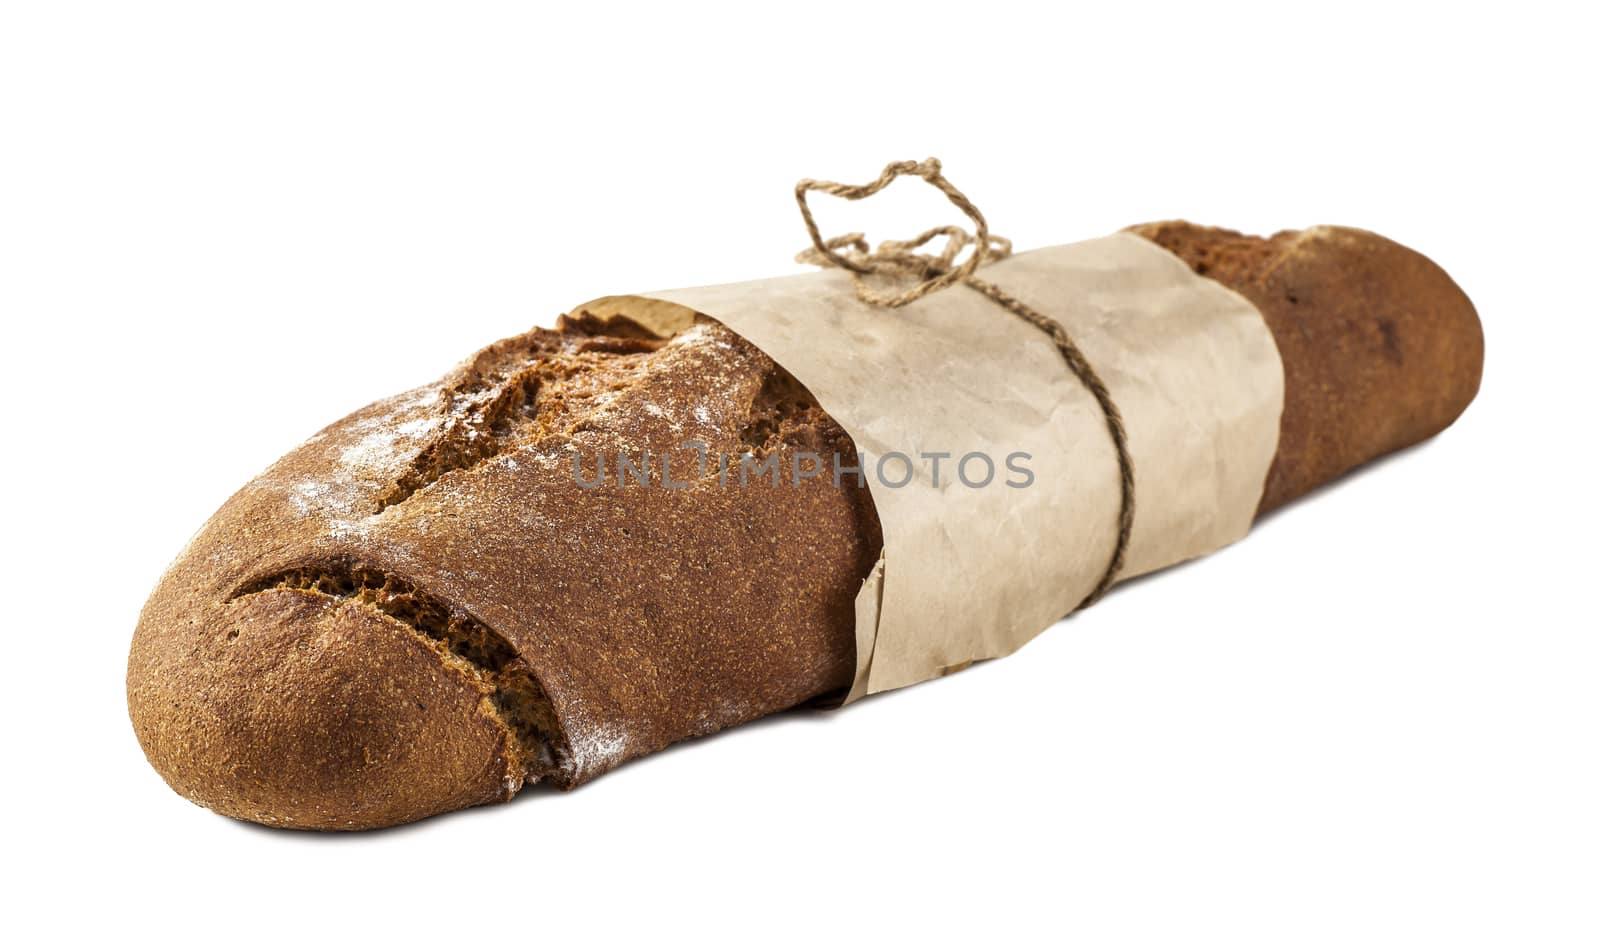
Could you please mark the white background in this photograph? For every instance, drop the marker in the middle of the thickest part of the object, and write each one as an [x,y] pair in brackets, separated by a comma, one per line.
[225,225]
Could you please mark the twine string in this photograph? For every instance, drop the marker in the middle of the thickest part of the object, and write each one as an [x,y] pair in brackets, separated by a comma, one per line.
[899,261]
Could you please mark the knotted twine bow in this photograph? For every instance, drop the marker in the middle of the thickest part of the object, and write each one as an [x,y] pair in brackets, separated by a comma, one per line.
[900,260]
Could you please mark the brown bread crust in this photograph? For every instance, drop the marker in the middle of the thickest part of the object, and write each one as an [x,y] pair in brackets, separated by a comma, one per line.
[570,628]
[419,608]
[298,711]
[1380,348]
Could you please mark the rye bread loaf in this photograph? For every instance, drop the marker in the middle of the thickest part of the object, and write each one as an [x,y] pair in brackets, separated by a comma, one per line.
[420,609]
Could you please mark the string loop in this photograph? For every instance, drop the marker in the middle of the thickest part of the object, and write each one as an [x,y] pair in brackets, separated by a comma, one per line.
[929,272]
[899,258]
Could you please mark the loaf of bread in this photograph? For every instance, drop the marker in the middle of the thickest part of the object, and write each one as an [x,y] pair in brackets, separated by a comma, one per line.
[420,609]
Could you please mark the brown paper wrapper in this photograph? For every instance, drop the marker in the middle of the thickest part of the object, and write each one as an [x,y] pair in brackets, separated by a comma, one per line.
[970,573]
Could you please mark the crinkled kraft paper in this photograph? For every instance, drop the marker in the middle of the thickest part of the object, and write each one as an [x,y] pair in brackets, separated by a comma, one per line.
[971,573]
